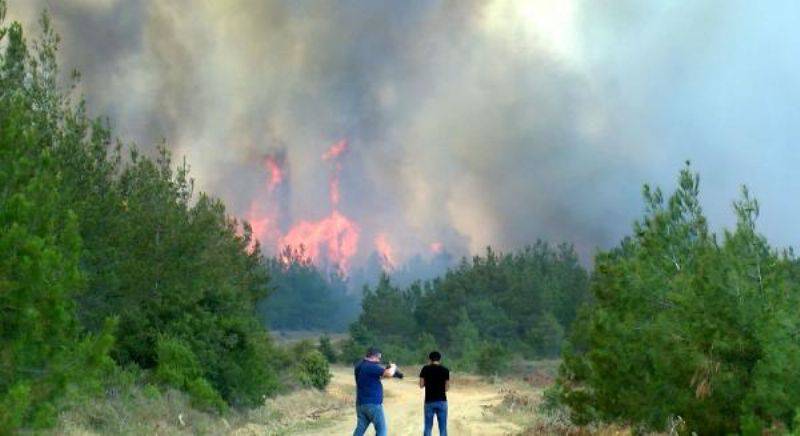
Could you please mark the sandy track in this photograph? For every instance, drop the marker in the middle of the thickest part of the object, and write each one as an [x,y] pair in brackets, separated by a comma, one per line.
[469,402]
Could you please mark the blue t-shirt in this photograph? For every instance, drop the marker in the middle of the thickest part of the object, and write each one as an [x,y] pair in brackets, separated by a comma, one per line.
[369,389]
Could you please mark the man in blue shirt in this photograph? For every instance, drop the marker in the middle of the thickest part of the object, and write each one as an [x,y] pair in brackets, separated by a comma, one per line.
[369,392]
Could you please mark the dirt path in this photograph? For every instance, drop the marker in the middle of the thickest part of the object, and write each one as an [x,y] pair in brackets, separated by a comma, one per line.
[469,400]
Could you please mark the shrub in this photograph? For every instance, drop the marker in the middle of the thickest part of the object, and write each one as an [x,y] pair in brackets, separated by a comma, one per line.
[177,365]
[493,359]
[326,348]
[204,397]
[313,370]
[464,343]
[13,406]
[545,336]
[427,343]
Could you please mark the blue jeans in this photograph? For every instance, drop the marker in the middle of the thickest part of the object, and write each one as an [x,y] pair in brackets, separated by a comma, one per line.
[438,408]
[370,413]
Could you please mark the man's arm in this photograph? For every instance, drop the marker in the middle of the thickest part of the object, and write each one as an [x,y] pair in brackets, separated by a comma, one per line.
[446,385]
[421,382]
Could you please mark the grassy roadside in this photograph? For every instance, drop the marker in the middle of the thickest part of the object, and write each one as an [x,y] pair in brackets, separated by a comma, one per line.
[146,410]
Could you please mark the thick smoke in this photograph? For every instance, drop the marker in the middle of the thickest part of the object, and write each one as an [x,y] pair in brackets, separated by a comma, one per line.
[469,123]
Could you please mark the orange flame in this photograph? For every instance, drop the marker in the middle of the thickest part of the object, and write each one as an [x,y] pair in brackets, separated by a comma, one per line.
[385,252]
[264,211]
[275,173]
[335,150]
[334,238]
[263,223]
[332,154]
[334,190]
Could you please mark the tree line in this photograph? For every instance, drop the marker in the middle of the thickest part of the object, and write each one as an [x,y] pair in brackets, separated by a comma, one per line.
[111,263]
[303,297]
[480,313]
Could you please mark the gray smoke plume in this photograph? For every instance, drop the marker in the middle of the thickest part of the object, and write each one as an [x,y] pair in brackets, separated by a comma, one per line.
[470,123]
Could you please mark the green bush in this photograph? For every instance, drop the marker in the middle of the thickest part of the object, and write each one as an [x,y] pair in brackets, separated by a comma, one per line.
[177,365]
[326,348]
[203,396]
[427,343]
[545,336]
[13,406]
[313,370]
[493,359]
[465,343]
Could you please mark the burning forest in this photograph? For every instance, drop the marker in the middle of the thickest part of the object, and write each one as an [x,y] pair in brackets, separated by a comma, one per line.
[331,241]
[459,176]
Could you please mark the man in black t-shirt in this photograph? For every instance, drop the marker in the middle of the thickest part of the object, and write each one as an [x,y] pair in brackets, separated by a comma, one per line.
[435,378]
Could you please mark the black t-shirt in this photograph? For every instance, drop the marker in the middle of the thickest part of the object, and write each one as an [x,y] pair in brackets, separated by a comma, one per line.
[435,377]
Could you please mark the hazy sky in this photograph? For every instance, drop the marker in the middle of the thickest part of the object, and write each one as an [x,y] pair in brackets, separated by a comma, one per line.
[469,123]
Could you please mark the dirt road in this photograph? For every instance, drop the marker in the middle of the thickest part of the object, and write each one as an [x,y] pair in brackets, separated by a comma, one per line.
[469,402]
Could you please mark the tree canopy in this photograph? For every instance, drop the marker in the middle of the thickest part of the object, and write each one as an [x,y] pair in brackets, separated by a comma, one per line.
[688,326]
[522,302]
[110,254]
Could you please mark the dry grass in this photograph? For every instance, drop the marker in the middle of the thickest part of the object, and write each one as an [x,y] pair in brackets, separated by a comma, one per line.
[293,412]
[514,403]
[140,411]
[522,403]
[523,406]
[145,410]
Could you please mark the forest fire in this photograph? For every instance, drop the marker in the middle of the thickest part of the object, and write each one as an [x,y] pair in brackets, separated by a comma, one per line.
[331,240]
[332,154]
[385,252]
[276,172]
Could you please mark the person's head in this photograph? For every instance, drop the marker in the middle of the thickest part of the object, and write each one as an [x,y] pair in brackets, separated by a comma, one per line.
[435,357]
[373,354]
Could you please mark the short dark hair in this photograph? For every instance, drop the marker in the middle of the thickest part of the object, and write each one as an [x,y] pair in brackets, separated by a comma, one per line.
[435,356]
[373,351]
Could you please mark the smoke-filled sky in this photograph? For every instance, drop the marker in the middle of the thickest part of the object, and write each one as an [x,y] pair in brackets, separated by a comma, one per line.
[468,123]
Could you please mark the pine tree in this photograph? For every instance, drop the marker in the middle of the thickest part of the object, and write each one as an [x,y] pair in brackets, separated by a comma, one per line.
[683,325]
[42,351]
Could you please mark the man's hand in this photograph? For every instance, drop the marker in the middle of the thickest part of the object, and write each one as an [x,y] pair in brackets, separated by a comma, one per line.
[389,372]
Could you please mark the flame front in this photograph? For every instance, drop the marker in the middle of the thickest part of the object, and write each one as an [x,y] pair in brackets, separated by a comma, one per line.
[276,173]
[332,154]
[264,210]
[332,240]
[385,252]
